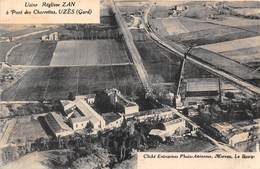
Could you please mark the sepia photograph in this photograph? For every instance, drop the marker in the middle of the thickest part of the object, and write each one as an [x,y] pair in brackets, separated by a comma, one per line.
[153,76]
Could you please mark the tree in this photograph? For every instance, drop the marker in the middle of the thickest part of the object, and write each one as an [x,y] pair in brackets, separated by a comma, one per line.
[71,96]
[89,127]
[230,96]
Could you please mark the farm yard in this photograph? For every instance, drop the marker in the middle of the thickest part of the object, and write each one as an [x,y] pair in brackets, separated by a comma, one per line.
[32,52]
[89,52]
[242,50]
[56,82]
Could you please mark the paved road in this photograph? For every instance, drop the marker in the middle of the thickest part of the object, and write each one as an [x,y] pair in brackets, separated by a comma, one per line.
[132,48]
[8,53]
[175,49]
[54,66]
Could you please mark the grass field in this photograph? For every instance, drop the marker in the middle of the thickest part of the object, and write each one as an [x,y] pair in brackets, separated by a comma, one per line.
[56,83]
[241,50]
[32,52]
[89,52]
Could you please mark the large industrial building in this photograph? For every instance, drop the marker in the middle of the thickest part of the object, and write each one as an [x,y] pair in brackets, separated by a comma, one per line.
[79,113]
[121,104]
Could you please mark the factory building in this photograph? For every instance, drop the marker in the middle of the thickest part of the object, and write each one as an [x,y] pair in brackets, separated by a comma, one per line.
[233,133]
[79,113]
[57,125]
[121,104]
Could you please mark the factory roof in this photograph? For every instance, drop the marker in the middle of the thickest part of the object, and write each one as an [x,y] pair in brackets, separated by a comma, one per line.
[56,123]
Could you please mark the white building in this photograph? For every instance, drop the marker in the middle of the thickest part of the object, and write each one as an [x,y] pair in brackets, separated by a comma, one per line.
[51,37]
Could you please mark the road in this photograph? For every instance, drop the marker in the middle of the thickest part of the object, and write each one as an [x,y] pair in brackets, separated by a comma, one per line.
[177,50]
[8,53]
[143,75]
[137,60]
[56,66]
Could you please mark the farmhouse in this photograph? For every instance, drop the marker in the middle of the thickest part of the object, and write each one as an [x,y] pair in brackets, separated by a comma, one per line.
[121,104]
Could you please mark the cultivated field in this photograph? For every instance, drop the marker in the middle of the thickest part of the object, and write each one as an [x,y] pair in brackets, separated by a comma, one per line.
[4,48]
[56,83]
[236,21]
[89,52]
[178,25]
[32,52]
[225,64]
[243,4]
[248,11]
[242,50]
[210,36]
[171,25]
[193,71]
[162,66]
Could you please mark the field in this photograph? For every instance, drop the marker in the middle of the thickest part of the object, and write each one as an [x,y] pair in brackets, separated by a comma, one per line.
[57,82]
[178,25]
[193,71]
[241,50]
[243,4]
[26,128]
[236,21]
[162,66]
[89,52]
[248,11]
[169,26]
[225,64]
[32,52]
[4,48]
[210,36]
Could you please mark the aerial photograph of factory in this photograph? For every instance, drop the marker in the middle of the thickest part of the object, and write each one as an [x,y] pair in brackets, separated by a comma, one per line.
[152,76]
